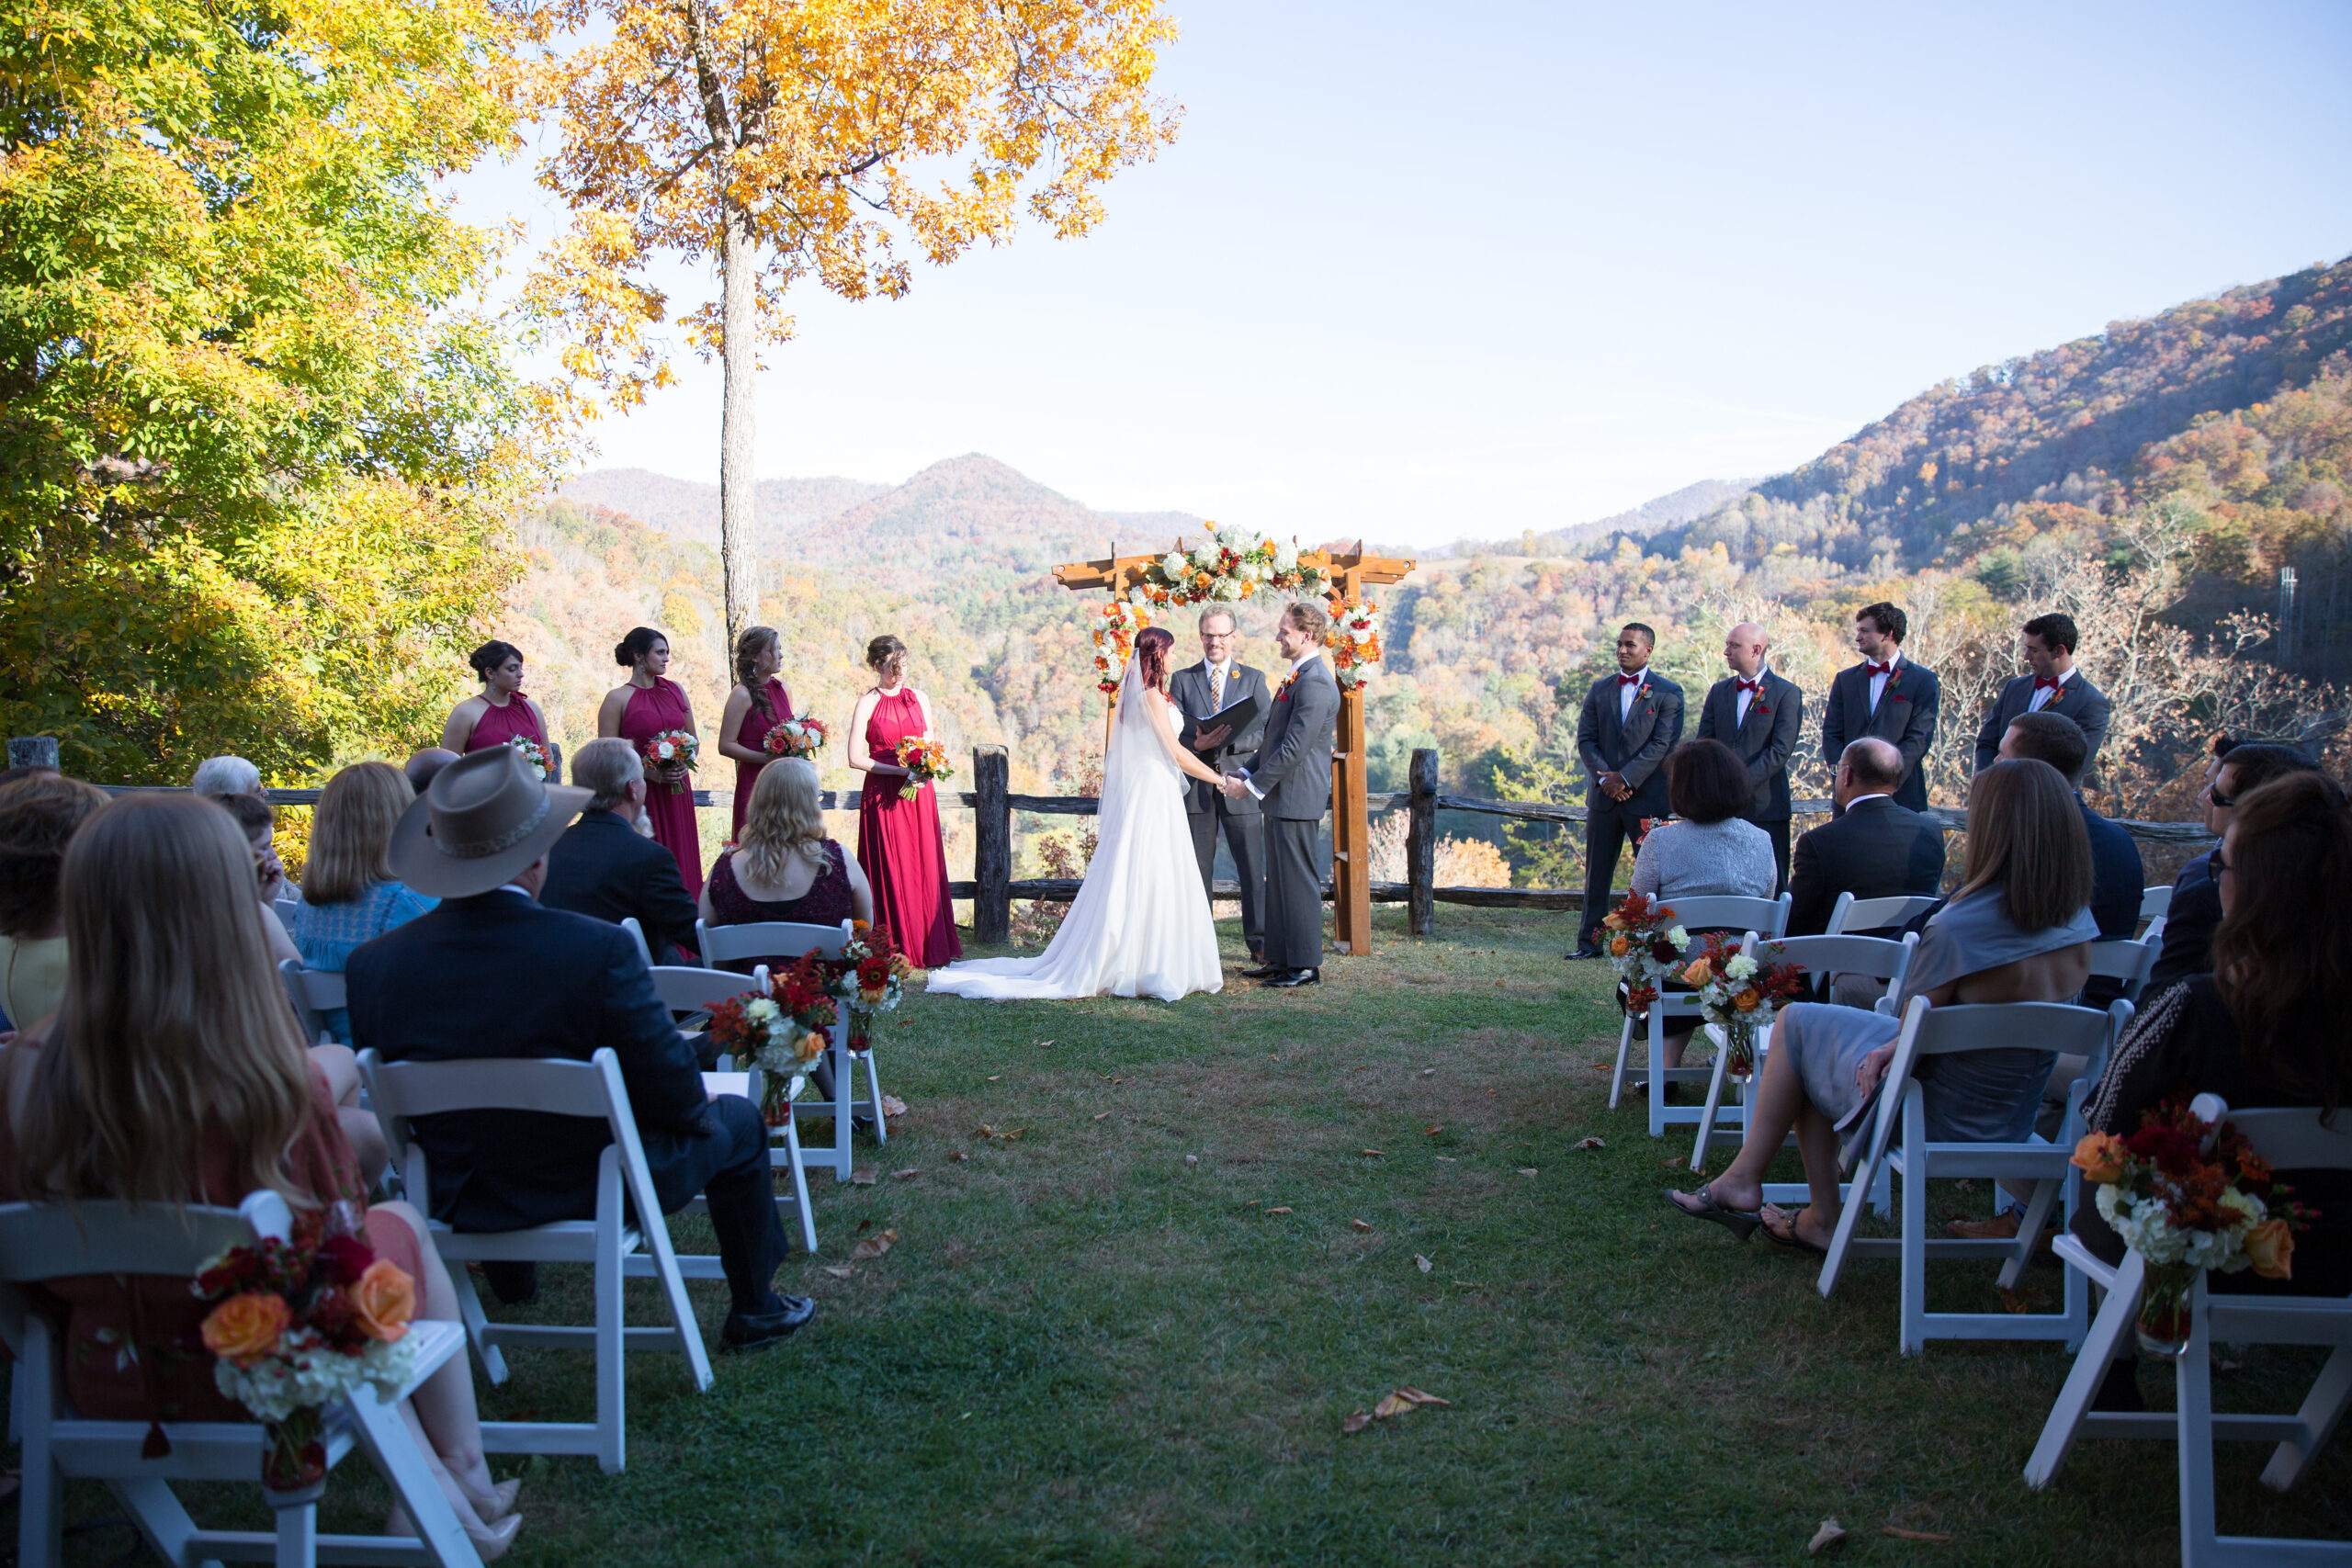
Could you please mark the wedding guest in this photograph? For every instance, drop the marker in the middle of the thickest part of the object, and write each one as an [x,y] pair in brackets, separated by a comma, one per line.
[2117,875]
[2195,912]
[1759,715]
[2051,684]
[2019,931]
[558,986]
[1886,696]
[603,868]
[758,703]
[350,894]
[898,840]
[646,704]
[39,815]
[501,712]
[258,820]
[175,1074]
[1200,692]
[1871,848]
[1630,721]
[784,867]
[225,775]
[422,765]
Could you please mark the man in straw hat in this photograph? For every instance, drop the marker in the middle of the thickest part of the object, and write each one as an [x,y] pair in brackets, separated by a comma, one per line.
[492,974]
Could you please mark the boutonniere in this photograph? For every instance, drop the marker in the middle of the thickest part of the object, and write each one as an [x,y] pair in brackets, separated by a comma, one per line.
[1284,690]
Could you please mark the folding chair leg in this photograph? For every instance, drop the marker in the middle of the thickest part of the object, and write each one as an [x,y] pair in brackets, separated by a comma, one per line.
[2194,1373]
[1624,1046]
[2036,1214]
[1707,1117]
[156,1512]
[1849,1212]
[297,1534]
[612,1379]
[2322,1410]
[477,1322]
[2118,1316]
[873,1083]
[1915,1259]
[40,1516]
[800,1187]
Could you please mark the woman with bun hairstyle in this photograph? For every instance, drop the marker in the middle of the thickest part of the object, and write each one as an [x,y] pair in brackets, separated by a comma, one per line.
[502,712]
[636,711]
[758,703]
[899,841]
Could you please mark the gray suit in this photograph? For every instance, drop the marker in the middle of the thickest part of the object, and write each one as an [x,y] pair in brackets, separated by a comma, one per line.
[1775,716]
[1207,807]
[1631,746]
[1291,773]
[2077,700]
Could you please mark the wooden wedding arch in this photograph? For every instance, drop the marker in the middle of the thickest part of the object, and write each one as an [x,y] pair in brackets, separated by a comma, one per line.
[1350,824]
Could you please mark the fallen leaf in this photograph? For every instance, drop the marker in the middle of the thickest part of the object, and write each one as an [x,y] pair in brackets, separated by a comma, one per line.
[1590,1144]
[1252,1204]
[1372,1154]
[839,1270]
[1284,1209]
[1963,1185]
[985,1131]
[1470,1284]
[1356,1422]
[1899,1533]
[1419,1396]
[2028,1300]
[1449,1159]
[957,1154]
[1192,1159]
[1118,1081]
[1435,1128]
[1526,1170]
[1600,1067]
[1041,1044]
[893,1106]
[1831,1533]
[1423,1264]
[1499,985]
[1677,1163]
[861,1179]
[911,1170]
[875,1245]
[1008,1137]
[1100,1114]
[865,1226]
[1429,1072]
[993,1076]
[1392,1404]
[1360,1224]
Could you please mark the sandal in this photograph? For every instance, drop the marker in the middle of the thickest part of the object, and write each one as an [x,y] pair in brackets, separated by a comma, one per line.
[1791,1238]
[1741,1222]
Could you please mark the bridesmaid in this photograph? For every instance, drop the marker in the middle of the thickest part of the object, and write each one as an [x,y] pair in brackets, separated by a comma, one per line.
[637,710]
[758,703]
[502,712]
[899,841]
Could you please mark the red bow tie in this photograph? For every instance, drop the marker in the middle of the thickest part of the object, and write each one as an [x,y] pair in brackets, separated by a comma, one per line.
[2039,682]
[1629,679]
[1886,668]
[1747,685]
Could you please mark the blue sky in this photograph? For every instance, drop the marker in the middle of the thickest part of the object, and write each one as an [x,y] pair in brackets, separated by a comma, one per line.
[1425,272]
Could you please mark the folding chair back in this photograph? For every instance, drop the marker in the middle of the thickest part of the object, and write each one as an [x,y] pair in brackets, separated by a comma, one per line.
[2156,902]
[786,941]
[1852,914]
[283,908]
[314,993]
[1768,918]
[683,988]
[2125,959]
[637,935]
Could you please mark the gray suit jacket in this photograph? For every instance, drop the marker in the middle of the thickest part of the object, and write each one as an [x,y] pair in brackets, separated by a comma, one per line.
[1906,716]
[1189,689]
[1292,767]
[1775,715]
[2077,700]
[1634,745]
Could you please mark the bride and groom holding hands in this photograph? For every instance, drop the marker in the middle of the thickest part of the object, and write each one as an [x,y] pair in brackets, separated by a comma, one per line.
[1140,924]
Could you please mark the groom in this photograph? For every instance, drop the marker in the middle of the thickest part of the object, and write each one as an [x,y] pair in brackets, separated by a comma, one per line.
[1291,778]
[1200,691]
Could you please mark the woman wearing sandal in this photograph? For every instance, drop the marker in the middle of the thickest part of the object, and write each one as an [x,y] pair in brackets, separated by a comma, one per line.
[2019,931]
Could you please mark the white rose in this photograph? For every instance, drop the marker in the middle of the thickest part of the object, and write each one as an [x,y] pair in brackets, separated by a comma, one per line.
[1286,555]
[1741,967]
[1172,564]
[1205,556]
[1226,588]
[1680,938]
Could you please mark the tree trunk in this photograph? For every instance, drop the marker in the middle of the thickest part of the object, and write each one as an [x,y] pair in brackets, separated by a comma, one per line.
[737,421]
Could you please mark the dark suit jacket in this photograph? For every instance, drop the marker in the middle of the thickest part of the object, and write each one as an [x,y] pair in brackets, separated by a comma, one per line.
[1633,746]
[1877,850]
[2190,921]
[1293,764]
[2077,700]
[1905,716]
[604,869]
[2118,876]
[1764,742]
[1189,690]
[498,975]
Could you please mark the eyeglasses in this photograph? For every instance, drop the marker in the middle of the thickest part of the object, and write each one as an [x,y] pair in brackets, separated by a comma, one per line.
[2217,863]
[2224,801]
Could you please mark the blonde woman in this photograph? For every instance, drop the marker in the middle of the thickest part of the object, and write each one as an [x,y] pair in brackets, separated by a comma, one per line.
[784,867]
[349,895]
[174,1074]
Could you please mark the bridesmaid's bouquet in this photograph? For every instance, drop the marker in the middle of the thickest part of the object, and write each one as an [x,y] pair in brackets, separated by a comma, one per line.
[674,752]
[925,759]
[801,737]
[542,766]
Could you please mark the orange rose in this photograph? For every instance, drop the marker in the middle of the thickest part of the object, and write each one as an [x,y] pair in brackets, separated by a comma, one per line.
[1747,1000]
[810,1047]
[1699,973]
[2270,1248]
[2100,1156]
[245,1328]
[1619,945]
[385,1298]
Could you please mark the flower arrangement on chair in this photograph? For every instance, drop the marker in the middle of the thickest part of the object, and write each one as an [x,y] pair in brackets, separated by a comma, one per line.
[299,1323]
[802,737]
[2188,1196]
[1643,943]
[1739,995]
[672,753]
[1354,641]
[542,766]
[869,980]
[782,1031]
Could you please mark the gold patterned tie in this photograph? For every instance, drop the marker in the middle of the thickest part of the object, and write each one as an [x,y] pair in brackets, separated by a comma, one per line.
[1216,690]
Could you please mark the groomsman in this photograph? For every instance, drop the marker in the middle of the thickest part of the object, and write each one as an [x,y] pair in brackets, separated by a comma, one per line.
[1757,715]
[2052,684]
[1200,691]
[1885,697]
[1630,720]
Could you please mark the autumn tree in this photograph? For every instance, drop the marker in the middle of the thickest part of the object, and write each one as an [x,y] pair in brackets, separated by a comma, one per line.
[779,139]
[255,454]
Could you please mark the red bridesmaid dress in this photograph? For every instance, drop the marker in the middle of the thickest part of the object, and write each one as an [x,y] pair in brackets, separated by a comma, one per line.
[497,725]
[754,730]
[671,810]
[898,843]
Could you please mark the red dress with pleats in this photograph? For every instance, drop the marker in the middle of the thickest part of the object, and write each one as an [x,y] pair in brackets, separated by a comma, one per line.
[899,846]
[497,725]
[754,729]
[650,712]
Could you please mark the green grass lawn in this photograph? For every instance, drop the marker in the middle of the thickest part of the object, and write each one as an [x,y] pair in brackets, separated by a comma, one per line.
[1098,1343]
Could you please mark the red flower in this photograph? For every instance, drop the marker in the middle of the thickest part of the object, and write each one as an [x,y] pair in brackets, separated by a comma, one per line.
[344,1258]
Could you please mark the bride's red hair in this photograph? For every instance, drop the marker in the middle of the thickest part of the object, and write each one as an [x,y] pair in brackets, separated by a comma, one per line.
[1152,644]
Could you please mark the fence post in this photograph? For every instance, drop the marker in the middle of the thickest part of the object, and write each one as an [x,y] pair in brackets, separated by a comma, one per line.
[991,845]
[1421,845]
[33,752]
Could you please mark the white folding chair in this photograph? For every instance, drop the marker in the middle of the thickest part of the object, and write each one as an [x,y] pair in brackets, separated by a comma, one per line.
[284,909]
[2128,960]
[1764,917]
[314,993]
[40,1242]
[2288,1140]
[1851,914]
[789,940]
[619,1249]
[689,991]
[2156,902]
[637,935]
[1952,1031]
[2155,935]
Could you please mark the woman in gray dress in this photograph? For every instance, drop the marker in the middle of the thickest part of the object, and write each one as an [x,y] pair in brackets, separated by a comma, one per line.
[2019,929]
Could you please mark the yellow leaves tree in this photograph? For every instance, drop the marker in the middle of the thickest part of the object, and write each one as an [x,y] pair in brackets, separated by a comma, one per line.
[780,139]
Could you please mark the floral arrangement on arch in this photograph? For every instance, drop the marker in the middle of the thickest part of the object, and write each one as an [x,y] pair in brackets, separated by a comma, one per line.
[1739,995]
[672,750]
[2188,1195]
[1115,641]
[802,738]
[1644,943]
[1232,563]
[535,756]
[1354,641]
[299,1323]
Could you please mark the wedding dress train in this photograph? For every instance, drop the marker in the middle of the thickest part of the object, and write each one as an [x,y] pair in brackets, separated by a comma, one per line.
[1140,925]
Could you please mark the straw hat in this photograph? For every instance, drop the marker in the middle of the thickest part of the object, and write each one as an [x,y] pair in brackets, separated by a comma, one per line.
[481,823]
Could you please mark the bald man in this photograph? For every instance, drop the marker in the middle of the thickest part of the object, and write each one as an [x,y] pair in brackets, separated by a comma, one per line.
[1757,715]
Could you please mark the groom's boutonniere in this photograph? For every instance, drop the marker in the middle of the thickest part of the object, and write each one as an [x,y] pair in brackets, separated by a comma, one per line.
[1284,690]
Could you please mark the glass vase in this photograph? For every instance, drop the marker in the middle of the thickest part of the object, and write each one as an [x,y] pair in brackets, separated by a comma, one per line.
[2164,1310]
[294,1452]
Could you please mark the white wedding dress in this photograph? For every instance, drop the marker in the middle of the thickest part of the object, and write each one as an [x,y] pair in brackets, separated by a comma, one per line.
[1140,924]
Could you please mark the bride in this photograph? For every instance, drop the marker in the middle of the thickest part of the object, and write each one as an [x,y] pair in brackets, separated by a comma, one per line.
[1140,924]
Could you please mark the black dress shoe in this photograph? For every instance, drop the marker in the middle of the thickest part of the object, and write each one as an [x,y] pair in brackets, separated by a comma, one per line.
[1584,953]
[1264,971]
[1296,978]
[515,1284]
[757,1331]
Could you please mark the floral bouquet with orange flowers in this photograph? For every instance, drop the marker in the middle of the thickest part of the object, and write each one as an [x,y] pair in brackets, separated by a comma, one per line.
[925,759]
[782,1031]
[2186,1196]
[296,1324]
[801,737]
[1114,642]
[1642,941]
[869,979]
[1354,641]
[1738,995]
[1232,563]
[672,752]
[542,766]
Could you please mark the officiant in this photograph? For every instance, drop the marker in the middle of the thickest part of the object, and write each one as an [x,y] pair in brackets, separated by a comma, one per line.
[1201,691]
